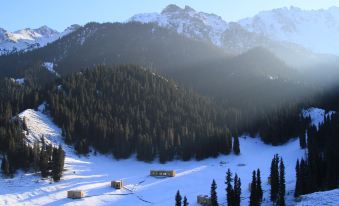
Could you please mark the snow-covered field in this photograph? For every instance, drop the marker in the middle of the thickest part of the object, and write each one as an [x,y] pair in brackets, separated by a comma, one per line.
[94,173]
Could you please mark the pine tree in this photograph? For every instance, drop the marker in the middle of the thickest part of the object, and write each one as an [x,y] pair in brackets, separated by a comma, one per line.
[282,186]
[274,178]
[254,195]
[236,145]
[178,199]
[229,188]
[43,164]
[302,140]
[57,163]
[5,166]
[237,190]
[228,145]
[214,197]
[259,188]
[281,199]
[297,183]
[185,202]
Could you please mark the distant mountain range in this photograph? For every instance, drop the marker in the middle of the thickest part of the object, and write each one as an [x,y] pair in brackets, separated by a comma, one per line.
[298,37]
[28,39]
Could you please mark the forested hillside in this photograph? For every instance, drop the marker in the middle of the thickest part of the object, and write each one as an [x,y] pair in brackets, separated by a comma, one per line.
[129,109]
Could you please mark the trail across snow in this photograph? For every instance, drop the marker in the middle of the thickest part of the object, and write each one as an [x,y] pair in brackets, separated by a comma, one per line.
[93,174]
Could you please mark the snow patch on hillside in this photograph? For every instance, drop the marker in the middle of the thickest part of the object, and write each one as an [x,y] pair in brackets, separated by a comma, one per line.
[93,174]
[20,81]
[50,67]
[317,115]
[39,125]
[328,198]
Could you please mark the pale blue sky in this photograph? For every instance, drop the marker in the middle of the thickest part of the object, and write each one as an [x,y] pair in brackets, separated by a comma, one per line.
[59,14]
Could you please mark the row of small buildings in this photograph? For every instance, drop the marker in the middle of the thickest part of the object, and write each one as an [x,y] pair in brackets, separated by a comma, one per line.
[118,184]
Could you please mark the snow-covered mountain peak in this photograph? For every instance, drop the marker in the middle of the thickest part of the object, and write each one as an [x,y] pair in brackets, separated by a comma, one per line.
[187,21]
[24,34]
[28,39]
[317,30]
[46,31]
[171,8]
[70,29]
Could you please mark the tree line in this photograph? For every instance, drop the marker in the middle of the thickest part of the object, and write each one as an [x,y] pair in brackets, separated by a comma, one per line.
[318,170]
[233,188]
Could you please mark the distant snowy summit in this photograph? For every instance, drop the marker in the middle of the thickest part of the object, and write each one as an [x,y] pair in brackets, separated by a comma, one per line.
[28,39]
[316,30]
[187,21]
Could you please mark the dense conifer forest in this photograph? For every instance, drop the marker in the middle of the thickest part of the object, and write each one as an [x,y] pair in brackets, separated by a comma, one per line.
[129,109]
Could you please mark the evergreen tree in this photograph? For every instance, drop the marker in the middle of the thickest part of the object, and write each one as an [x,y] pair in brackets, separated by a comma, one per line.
[228,144]
[237,190]
[259,188]
[5,166]
[274,178]
[43,164]
[302,140]
[236,145]
[57,163]
[214,197]
[178,199]
[254,195]
[281,199]
[297,183]
[282,186]
[185,202]
[229,188]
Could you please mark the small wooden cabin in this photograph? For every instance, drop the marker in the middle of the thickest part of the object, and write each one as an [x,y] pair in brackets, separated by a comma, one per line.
[204,200]
[75,194]
[118,184]
[165,173]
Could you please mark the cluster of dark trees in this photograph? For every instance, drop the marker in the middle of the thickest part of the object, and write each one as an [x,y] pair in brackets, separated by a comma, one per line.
[16,153]
[50,161]
[277,178]
[233,192]
[129,110]
[319,170]
[256,196]
[179,201]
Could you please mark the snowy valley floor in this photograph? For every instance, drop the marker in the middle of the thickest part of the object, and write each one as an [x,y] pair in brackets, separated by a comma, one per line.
[94,173]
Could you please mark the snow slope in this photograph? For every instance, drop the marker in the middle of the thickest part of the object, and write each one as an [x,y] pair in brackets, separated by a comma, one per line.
[94,173]
[328,198]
